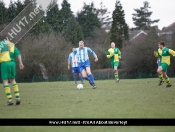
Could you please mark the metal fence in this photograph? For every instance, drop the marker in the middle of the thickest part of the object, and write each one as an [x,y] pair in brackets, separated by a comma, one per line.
[97,76]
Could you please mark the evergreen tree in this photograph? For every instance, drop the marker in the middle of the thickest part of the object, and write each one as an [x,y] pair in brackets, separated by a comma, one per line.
[3,13]
[119,29]
[88,19]
[26,2]
[12,11]
[150,45]
[66,14]
[19,6]
[73,32]
[53,17]
[103,15]
[142,17]
[173,40]
[41,27]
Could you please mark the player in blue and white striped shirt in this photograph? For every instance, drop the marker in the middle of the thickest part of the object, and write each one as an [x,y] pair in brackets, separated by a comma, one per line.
[75,69]
[84,63]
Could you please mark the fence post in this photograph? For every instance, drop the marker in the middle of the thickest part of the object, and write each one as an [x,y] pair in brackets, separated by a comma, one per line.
[33,78]
[59,77]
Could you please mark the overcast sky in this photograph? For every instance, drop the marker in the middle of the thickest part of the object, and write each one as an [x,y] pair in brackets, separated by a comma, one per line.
[163,10]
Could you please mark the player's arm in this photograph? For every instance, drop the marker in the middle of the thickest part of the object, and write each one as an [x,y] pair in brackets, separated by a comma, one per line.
[156,54]
[108,54]
[21,66]
[93,54]
[69,60]
[119,54]
[73,57]
[18,54]
[157,60]
[172,52]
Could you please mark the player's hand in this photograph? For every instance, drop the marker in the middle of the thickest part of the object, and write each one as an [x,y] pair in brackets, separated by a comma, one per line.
[111,55]
[119,57]
[21,66]
[155,52]
[96,59]
[75,61]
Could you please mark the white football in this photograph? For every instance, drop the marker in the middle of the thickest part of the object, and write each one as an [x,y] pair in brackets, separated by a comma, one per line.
[80,86]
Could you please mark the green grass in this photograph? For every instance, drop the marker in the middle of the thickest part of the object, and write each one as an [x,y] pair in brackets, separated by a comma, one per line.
[131,98]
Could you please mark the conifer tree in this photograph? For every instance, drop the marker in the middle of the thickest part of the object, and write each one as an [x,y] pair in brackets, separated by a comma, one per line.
[88,19]
[119,29]
[142,16]
[73,32]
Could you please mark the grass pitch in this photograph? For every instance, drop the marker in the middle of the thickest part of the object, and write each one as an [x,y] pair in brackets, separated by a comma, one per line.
[131,98]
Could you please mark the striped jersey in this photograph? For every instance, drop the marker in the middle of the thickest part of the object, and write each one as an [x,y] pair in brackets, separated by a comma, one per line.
[70,58]
[164,55]
[82,53]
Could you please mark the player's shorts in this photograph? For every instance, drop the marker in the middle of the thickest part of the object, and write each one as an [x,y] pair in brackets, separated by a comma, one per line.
[75,70]
[164,66]
[116,63]
[8,70]
[83,65]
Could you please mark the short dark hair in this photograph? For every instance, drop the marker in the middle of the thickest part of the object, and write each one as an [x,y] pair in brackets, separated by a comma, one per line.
[2,37]
[162,43]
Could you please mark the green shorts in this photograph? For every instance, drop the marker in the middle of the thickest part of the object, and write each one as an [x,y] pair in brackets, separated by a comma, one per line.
[164,66]
[114,64]
[8,70]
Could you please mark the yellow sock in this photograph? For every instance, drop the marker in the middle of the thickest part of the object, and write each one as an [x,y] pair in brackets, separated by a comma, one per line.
[167,80]
[16,90]
[8,92]
[116,75]
[160,76]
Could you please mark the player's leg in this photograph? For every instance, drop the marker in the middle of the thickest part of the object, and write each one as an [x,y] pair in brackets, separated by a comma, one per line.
[12,77]
[7,92]
[76,70]
[14,84]
[84,75]
[90,75]
[5,69]
[16,91]
[116,74]
[81,70]
[116,71]
[81,78]
[160,75]
[167,80]
[75,78]
[74,75]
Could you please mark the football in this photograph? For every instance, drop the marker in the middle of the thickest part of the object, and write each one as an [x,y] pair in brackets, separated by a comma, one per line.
[80,86]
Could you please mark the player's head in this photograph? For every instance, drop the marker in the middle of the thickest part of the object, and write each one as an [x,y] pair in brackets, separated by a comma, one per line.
[2,37]
[112,45]
[161,44]
[81,44]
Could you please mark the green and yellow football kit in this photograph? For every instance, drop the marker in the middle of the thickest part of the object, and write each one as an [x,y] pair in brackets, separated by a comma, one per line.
[164,55]
[114,59]
[8,51]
